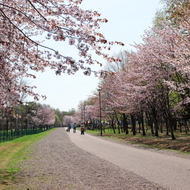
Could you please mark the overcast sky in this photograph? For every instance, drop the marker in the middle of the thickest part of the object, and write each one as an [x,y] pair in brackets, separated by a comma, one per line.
[128,19]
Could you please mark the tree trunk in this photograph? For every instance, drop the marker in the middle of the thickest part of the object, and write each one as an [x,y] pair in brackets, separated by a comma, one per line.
[112,124]
[133,122]
[150,123]
[142,120]
[155,122]
[171,128]
[167,128]
[125,124]
[139,122]
[117,122]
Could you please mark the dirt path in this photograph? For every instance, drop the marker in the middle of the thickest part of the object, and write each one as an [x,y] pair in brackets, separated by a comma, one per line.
[58,164]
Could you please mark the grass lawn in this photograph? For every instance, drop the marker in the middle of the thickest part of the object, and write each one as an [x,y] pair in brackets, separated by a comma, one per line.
[14,152]
[181,144]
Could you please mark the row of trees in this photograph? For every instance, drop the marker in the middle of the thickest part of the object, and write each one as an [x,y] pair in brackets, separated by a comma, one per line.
[152,84]
[29,118]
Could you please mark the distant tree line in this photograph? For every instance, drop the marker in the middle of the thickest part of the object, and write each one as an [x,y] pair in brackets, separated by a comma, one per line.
[29,118]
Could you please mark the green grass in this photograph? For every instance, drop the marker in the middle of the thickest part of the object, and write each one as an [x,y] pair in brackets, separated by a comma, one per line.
[14,152]
[13,134]
[181,144]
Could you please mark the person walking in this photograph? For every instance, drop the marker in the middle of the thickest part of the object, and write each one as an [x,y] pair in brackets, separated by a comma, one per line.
[74,127]
[69,128]
[82,129]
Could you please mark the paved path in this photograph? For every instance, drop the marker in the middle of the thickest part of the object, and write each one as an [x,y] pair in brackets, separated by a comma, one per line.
[169,171]
[56,163]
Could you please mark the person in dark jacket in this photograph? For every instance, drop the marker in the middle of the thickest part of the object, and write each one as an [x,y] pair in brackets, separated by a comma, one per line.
[82,129]
[69,128]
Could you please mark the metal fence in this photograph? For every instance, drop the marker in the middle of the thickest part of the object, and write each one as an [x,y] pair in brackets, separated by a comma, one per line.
[13,134]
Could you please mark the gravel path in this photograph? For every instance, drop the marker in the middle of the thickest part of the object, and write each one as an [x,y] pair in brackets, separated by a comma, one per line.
[58,164]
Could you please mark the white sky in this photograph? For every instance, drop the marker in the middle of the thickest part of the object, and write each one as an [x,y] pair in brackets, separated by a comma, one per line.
[127,21]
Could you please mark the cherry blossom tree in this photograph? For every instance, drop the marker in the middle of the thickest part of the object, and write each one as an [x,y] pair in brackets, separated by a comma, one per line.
[115,66]
[67,120]
[47,117]
[153,84]
[155,74]
[43,116]
[58,20]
